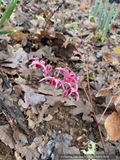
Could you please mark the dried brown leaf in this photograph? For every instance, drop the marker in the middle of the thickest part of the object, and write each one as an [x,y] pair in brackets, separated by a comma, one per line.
[112,125]
[18,35]
[80,107]
[82,5]
[30,152]
[102,92]
[6,136]
[30,97]
[111,59]
[116,100]
[20,137]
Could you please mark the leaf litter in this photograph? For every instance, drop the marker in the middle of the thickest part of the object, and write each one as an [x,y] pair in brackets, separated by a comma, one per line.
[56,124]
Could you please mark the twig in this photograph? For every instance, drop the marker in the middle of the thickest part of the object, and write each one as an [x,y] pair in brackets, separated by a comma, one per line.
[89,97]
[49,19]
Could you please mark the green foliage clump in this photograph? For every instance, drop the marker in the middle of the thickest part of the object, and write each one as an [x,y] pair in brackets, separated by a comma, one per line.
[105,18]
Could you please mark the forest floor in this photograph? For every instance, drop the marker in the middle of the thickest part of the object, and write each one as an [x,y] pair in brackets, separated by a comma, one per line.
[37,121]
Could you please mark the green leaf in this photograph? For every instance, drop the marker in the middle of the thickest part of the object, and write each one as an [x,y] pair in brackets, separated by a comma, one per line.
[73,25]
[8,11]
[8,31]
[68,40]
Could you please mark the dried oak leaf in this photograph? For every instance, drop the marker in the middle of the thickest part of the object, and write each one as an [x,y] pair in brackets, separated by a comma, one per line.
[50,90]
[103,91]
[112,125]
[6,136]
[30,152]
[14,59]
[30,97]
[9,98]
[111,59]
[20,137]
[18,35]
[51,101]
[80,107]
[21,17]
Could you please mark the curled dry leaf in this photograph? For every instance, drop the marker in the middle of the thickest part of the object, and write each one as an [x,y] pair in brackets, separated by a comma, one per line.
[112,125]
[103,91]
[116,100]
[110,59]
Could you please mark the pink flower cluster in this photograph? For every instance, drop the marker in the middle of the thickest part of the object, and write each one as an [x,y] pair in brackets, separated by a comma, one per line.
[68,77]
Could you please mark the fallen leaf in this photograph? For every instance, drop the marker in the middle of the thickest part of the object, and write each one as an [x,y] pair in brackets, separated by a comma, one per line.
[18,35]
[30,152]
[117,50]
[116,100]
[111,59]
[30,98]
[6,136]
[20,137]
[48,118]
[112,125]
[102,92]
[82,5]
[80,107]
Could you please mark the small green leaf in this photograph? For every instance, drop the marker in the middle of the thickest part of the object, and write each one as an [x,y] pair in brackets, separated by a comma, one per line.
[90,37]
[68,40]
[73,25]
[8,31]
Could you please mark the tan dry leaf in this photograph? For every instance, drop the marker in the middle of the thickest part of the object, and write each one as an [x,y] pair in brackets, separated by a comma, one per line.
[18,35]
[6,26]
[102,92]
[110,59]
[6,137]
[20,137]
[30,152]
[82,5]
[112,125]
[30,97]
[116,100]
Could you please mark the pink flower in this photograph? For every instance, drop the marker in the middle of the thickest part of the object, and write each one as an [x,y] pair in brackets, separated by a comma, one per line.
[77,78]
[37,63]
[69,90]
[41,64]
[68,77]
[47,69]
[52,80]
[56,73]
[35,59]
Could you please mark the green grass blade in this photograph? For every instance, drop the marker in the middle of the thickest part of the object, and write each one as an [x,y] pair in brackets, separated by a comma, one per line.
[107,25]
[98,8]
[95,8]
[8,11]
[8,31]
[116,14]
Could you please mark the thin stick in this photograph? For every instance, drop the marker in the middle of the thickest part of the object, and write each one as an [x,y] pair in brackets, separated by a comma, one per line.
[49,19]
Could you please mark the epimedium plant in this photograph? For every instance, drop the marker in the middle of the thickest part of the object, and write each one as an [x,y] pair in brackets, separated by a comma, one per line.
[68,89]
[69,77]
[7,14]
